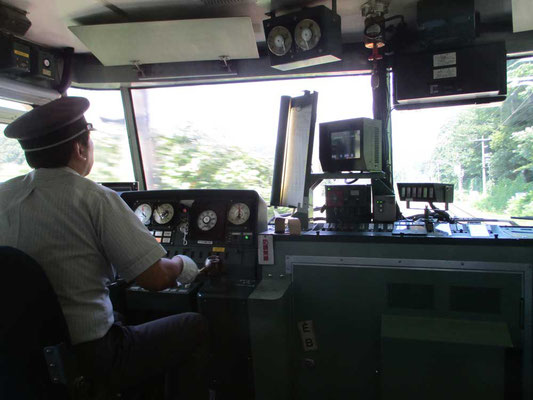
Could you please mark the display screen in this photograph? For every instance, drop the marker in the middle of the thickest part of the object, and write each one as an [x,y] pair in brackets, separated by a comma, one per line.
[346,145]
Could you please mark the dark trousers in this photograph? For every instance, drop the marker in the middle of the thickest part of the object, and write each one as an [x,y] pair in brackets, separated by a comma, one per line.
[129,358]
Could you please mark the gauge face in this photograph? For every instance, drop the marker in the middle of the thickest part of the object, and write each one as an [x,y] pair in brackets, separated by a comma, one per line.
[307,34]
[238,214]
[279,40]
[163,213]
[207,220]
[143,212]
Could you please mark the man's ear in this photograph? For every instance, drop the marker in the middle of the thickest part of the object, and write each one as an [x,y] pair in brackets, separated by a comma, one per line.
[80,151]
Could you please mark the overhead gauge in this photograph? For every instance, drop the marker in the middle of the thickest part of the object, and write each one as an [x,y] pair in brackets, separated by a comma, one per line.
[279,40]
[238,213]
[163,213]
[207,220]
[143,212]
[307,34]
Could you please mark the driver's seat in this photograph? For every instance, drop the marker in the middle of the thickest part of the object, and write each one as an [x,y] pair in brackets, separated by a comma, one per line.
[31,321]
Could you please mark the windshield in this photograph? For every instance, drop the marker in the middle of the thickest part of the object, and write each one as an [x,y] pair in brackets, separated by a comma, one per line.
[224,136]
[486,152]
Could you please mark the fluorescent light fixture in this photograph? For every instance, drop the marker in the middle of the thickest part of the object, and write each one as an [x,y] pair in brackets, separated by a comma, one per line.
[456,97]
[26,93]
[307,63]
[294,150]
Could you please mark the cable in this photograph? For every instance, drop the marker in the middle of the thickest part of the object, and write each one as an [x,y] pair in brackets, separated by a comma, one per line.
[395,17]
[438,215]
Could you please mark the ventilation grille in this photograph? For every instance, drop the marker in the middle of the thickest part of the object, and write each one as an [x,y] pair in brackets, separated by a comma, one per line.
[377,148]
[216,3]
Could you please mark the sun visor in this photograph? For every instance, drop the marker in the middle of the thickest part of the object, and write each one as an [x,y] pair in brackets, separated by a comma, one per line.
[170,41]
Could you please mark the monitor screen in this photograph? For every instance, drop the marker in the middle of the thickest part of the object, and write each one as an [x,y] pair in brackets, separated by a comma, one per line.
[346,145]
[350,145]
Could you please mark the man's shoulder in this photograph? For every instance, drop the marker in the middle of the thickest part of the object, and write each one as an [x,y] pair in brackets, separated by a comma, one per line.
[12,181]
[84,186]
[12,184]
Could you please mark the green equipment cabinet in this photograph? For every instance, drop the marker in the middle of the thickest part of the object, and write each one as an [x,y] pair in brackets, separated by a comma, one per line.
[393,318]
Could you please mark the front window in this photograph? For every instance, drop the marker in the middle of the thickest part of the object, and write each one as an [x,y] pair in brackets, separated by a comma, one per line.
[486,152]
[224,135]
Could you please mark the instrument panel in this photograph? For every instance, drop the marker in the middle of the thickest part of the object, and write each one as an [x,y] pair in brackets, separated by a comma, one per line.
[184,217]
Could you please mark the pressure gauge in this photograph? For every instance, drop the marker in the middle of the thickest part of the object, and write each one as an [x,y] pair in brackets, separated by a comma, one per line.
[163,213]
[307,34]
[279,40]
[238,214]
[207,220]
[143,212]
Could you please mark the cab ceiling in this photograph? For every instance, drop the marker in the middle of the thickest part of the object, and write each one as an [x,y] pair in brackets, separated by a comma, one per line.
[51,18]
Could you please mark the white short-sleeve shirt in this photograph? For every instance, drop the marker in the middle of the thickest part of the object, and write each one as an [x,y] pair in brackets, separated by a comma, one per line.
[82,234]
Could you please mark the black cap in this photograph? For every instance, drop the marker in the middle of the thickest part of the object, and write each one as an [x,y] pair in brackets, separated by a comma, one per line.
[50,125]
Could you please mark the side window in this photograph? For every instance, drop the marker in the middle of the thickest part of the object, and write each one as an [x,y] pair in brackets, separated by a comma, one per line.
[12,160]
[486,152]
[112,158]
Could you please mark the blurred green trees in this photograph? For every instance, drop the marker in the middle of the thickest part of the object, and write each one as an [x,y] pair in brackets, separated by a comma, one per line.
[506,131]
[189,159]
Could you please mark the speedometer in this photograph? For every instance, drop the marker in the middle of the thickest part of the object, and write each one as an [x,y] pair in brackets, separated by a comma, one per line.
[163,213]
[144,212]
[238,214]
[207,220]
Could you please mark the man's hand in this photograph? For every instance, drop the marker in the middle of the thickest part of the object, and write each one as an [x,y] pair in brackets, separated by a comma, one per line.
[190,270]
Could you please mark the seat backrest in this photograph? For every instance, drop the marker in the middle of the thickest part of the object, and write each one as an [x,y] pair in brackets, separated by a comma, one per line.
[31,319]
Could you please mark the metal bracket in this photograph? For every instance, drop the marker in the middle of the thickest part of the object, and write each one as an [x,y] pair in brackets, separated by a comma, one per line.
[138,67]
[54,356]
[225,60]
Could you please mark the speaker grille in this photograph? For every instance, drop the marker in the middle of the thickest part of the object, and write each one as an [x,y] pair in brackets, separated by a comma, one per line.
[377,148]
[225,2]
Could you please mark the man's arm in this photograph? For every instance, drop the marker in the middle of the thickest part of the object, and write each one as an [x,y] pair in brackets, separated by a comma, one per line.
[161,275]
[164,273]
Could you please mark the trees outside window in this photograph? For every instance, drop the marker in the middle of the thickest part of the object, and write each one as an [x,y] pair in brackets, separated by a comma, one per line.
[485,151]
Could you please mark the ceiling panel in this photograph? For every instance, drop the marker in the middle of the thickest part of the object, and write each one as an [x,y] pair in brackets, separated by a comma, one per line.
[170,41]
[51,18]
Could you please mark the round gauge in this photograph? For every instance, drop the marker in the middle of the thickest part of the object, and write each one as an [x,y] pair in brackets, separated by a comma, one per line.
[207,220]
[163,213]
[307,34]
[238,214]
[143,212]
[279,40]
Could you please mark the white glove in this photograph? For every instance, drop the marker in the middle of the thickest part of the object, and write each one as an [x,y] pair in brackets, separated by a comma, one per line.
[189,272]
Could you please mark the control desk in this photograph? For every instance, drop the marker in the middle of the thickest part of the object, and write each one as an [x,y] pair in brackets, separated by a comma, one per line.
[457,230]
[201,223]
